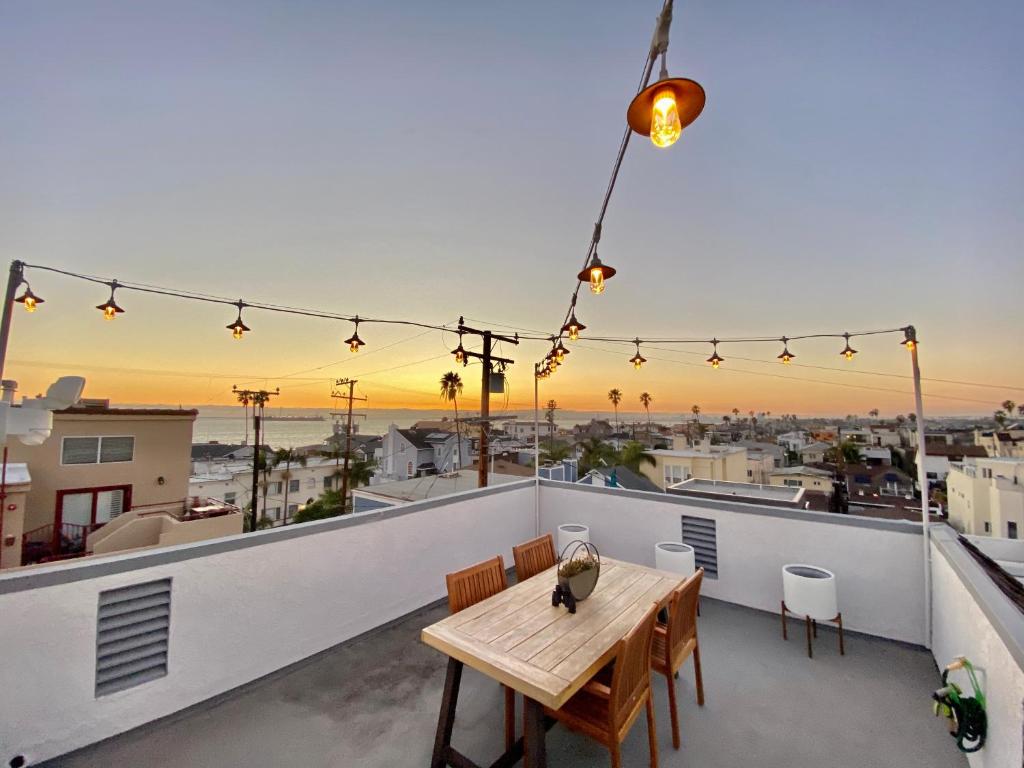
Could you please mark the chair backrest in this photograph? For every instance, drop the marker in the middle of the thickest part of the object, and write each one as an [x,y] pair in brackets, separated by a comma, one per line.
[682,612]
[476,583]
[632,672]
[532,557]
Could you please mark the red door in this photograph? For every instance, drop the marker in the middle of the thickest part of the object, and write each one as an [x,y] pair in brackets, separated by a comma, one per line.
[80,511]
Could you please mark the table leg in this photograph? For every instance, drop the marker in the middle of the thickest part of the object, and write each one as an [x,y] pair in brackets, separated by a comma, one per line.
[446,718]
[536,751]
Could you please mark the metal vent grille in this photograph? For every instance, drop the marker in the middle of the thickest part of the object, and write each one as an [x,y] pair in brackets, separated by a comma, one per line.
[699,533]
[132,629]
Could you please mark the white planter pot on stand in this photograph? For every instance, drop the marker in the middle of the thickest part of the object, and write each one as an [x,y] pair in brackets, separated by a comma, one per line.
[569,532]
[810,591]
[675,557]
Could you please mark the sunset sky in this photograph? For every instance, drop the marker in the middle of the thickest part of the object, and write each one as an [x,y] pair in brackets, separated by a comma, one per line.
[858,166]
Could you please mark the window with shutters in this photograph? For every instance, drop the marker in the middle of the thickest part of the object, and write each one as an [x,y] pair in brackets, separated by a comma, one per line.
[97,450]
[132,634]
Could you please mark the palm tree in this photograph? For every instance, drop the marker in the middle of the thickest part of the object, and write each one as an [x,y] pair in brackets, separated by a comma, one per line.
[1020,409]
[549,417]
[451,388]
[1009,406]
[337,454]
[735,413]
[555,453]
[360,472]
[595,452]
[615,395]
[287,456]
[645,401]
[1000,418]
[633,454]
[873,413]
[695,410]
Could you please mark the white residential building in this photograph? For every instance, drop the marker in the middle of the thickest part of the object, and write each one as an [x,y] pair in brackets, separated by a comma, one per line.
[283,491]
[410,453]
[987,497]
[793,441]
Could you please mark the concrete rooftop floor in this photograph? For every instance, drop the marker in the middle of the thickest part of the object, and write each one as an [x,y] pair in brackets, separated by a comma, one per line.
[374,702]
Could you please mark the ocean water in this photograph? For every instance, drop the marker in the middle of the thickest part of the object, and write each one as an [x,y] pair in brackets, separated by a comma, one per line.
[227,424]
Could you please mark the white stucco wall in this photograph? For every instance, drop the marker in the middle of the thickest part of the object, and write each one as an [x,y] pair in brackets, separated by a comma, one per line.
[232,619]
[879,572]
[961,628]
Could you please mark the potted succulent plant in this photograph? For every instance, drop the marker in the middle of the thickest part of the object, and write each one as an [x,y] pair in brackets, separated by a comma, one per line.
[577,574]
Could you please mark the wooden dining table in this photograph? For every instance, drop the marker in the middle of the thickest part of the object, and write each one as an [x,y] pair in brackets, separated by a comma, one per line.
[542,651]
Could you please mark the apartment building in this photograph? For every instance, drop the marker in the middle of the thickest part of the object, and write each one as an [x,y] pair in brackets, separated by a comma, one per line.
[703,461]
[100,463]
[283,490]
[987,498]
[1006,443]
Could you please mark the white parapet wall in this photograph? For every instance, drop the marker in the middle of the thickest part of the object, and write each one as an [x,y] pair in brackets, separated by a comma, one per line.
[973,618]
[878,563]
[241,607]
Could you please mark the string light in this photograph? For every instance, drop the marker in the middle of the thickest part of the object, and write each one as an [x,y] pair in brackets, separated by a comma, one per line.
[596,274]
[715,359]
[909,338]
[238,328]
[663,109]
[848,351]
[637,360]
[786,355]
[573,327]
[353,341]
[109,307]
[560,352]
[28,299]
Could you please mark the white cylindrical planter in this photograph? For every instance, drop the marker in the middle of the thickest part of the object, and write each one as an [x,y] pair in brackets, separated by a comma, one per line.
[569,532]
[810,591]
[675,557]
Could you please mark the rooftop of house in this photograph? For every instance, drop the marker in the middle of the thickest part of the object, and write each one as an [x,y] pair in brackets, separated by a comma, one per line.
[89,410]
[802,469]
[814,447]
[433,486]
[304,671]
[215,450]
[694,453]
[373,702]
[955,451]
[230,469]
[624,477]
[425,438]
[505,467]
[747,492]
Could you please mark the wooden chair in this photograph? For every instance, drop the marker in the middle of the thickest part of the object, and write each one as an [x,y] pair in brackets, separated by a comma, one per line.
[534,556]
[606,712]
[470,586]
[676,640]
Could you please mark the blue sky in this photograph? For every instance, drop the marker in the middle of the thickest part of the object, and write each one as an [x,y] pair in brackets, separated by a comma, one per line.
[858,165]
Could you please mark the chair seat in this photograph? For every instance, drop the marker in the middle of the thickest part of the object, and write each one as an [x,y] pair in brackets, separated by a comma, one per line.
[586,711]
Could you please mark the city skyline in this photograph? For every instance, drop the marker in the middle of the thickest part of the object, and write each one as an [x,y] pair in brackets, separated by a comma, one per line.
[248,153]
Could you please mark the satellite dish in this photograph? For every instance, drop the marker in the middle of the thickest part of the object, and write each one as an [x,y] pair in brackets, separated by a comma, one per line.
[63,393]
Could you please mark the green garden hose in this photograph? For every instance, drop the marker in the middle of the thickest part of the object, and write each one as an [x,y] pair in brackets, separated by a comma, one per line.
[968,723]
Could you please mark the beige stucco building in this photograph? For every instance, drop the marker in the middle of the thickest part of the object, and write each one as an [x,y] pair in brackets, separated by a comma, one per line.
[811,478]
[100,464]
[704,462]
[986,498]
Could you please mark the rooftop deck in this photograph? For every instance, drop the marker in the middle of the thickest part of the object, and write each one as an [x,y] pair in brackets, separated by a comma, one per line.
[373,702]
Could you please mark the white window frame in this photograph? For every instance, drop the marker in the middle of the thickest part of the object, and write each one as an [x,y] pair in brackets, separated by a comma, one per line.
[99,450]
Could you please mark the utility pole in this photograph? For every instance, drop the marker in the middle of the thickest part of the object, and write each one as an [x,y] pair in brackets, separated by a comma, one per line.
[350,383]
[258,398]
[487,360]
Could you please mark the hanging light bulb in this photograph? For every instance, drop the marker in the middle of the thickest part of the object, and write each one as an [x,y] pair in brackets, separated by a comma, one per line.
[109,307]
[909,338]
[715,359]
[596,274]
[663,109]
[573,327]
[552,364]
[29,299]
[238,328]
[560,352]
[786,355]
[460,352]
[848,351]
[637,360]
[353,341]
